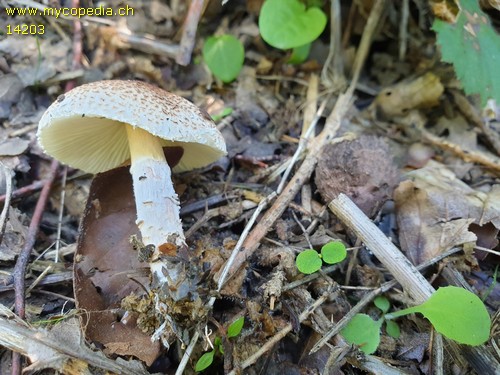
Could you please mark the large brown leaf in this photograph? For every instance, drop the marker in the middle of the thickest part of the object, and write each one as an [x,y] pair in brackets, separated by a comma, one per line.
[435,210]
[104,264]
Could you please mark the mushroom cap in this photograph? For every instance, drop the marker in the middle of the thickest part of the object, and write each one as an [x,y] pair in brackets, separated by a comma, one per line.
[84,128]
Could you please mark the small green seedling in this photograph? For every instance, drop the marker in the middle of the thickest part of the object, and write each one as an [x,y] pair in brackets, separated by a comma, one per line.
[207,359]
[299,54]
[310,261]
[287,24]
[224,56]
[224,113]
[454,312]
[391,327]
[363,331]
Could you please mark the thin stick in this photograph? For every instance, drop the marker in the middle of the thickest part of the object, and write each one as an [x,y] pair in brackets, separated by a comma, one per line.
[437,357]
[403,29]
[302,145]
[39,279]
[8,194]
[374,20]
[189,32]
[333,69]
[61,212]
[387,253]
[187,354]
[490,161]
[262,204]
[23,258]
[311,103]
[470,112]
[25,190]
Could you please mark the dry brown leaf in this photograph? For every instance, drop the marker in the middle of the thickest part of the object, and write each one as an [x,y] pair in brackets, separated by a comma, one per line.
[435,210]
[104,264]
[13,238]
[458,131]
[398,100]
[11,87]
[34,59]
[446,10]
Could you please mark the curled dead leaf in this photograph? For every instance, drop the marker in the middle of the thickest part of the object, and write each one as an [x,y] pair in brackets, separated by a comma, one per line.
[107,268]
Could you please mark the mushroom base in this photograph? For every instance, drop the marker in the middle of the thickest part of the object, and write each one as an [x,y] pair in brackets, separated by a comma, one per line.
[158,209]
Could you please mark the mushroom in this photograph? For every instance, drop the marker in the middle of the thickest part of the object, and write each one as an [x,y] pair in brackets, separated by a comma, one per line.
[101,125]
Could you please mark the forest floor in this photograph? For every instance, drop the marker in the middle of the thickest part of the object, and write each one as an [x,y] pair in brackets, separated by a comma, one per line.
[372,113]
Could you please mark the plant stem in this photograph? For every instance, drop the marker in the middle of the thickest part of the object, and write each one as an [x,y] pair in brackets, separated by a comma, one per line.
[397,314]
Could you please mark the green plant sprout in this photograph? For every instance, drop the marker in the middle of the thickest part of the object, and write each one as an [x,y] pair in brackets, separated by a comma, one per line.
[287,24]
[310,261]
[471,44]
[207,358]
[299,54]
[391,327]
[454,312]
[362,330]
[224,113]
[224,56]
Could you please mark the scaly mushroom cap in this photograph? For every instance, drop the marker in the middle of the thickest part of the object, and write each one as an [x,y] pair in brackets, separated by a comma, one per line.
[84,128]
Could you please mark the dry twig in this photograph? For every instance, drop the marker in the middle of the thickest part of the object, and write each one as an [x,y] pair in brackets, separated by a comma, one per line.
[470,113]
[189,31]
[23,258]
[403,29]
[489,161]
[22,261]
[8,194]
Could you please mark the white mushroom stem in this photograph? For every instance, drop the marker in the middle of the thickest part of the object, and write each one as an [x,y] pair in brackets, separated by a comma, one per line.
[156,201]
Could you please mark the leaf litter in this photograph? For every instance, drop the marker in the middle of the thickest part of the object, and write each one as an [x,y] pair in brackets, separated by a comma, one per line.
[410,158]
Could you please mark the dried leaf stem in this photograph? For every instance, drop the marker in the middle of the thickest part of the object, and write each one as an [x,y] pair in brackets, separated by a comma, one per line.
[23,258]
